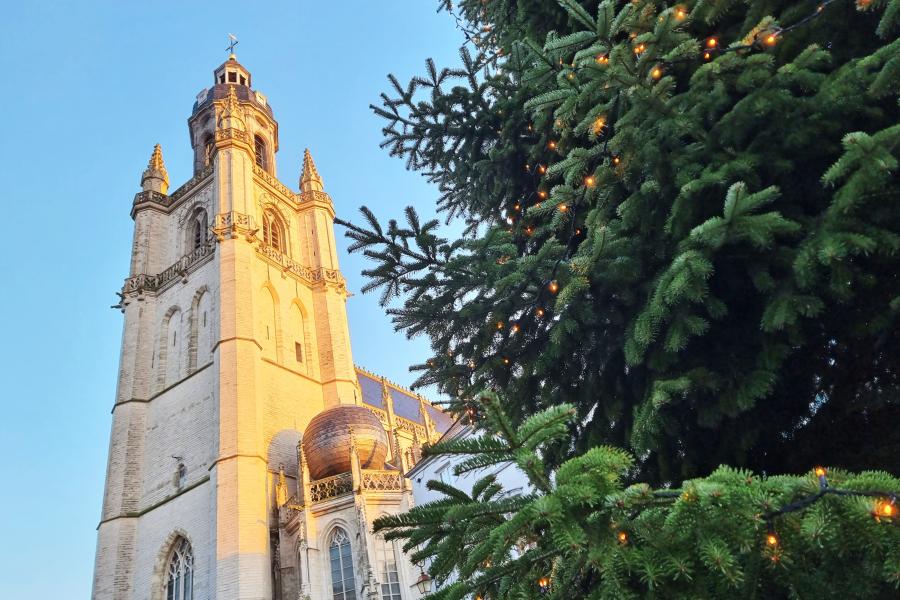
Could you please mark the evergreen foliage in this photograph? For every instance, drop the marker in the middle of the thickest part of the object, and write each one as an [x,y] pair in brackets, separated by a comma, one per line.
[582,533]
[681,220]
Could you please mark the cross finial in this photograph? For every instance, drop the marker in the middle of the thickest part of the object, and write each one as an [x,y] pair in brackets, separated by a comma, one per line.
[232,42]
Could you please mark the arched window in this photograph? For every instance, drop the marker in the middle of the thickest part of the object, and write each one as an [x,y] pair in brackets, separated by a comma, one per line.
[273,232]
[387,569]
[260,147]
[343,584]
[208,147]
[197,231]
[180,573]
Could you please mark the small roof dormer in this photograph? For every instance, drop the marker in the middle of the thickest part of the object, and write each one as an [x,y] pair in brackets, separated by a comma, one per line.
[231,71]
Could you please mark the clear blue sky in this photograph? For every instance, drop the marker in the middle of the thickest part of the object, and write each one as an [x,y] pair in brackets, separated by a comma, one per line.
[87,89]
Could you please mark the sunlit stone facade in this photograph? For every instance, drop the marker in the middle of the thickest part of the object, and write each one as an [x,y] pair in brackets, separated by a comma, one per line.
[235,339]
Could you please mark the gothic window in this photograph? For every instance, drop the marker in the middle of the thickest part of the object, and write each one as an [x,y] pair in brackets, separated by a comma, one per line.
[343,584]
[260,147]
[273,232]
[199,234]
[387,569]
[180,572]
[207,150]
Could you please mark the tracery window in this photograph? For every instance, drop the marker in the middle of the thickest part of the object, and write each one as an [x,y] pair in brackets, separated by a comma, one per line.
[343,583]
[273,232]
[387,569]
[180,573]
[260,148]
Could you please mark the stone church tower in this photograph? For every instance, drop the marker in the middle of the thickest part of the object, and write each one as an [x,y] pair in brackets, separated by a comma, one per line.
[248,454]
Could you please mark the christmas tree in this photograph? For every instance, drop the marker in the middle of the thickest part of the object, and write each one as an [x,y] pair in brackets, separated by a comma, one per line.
[582,533]
[681,220]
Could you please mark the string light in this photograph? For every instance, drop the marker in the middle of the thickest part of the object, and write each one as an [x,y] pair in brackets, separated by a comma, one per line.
[542,194]
[771,39]
[616,160]
[589,181]
[499,324]
[563,208]
[680,13]
[505,361]
[543,583]
[656,73]
[529,230]
[554,287]
[885,509]
[820,473]
[514,328]
[707,56]
[712,42]
[539,312]
[622,536]
[551,144]
[639,48]
[541,169]
[602,59]
[599,124]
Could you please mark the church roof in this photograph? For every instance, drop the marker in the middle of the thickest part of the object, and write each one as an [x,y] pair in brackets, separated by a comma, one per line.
[406,403]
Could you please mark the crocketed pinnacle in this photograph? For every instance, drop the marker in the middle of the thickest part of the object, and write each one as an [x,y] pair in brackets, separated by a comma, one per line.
[155,176]
[309,179]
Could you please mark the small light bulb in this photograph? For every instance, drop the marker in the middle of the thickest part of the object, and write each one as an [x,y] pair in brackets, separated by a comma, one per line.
[505,361]
[771,39]
[529,230]
[712,43]
[656,73]
[602,59]
[516,207]
[542,169]
[589,181]
[539,312]
[820,471]
[680,13]
[563,208]
[616,160]
[554,287]
[552,145]
[499,324]
[622,536]
[542,194]
[706,56]
[772,539]
[599,124]
[514,328]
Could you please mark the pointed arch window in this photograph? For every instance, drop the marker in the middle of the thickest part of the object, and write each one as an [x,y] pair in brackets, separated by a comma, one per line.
[198,231]
[273,232]
[343,583]
[259,145]
[387,569]
[180,572]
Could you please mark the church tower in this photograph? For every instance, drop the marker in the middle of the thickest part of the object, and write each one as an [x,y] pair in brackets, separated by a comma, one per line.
[248,454]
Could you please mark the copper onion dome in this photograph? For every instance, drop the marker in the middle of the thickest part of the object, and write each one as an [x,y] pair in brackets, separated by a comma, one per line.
[326,441]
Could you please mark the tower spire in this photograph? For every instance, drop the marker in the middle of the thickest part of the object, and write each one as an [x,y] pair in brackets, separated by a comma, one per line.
[155,176]
[309,179]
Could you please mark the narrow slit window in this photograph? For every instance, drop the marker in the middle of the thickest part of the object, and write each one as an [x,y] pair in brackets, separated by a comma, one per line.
[298,351]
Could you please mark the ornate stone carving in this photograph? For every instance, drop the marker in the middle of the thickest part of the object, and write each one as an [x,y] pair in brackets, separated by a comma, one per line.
[324,276]
[231,224]
[154,283]
[272,181]
[382,481]
[331,487]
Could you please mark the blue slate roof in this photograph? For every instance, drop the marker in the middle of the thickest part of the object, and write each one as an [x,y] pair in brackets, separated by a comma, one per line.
[406,404]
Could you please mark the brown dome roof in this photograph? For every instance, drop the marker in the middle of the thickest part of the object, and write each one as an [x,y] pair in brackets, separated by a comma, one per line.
[326,441]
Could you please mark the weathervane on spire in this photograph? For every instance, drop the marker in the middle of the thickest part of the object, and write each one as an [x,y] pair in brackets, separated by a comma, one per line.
[232,42]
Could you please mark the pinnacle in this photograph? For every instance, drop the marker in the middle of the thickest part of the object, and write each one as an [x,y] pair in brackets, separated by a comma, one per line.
[156,159]
[155,176]
[309,179]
